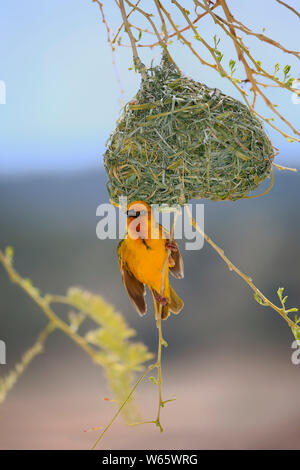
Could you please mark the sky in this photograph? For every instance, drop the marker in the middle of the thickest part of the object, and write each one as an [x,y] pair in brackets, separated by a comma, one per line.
[62,96]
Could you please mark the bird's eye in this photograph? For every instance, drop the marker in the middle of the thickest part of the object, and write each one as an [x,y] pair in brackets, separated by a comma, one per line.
[131,213]
[134,214]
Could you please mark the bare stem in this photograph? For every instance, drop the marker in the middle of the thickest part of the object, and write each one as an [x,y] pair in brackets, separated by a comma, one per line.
[136,59]
[264,300]
[112,48]
[121,407]
[230,25]
[289,7]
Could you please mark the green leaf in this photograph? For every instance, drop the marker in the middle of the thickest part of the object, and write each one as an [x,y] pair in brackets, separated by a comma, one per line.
[290,82]
[286,70]
[276,69]
[259,300]
[153,380]
[9,253]
[280,292]
[296,333]
[291,310]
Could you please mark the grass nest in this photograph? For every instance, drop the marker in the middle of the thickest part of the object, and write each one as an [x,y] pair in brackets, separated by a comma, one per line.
[179,140]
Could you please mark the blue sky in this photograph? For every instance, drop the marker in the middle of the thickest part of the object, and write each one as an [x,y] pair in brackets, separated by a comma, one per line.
[62,96]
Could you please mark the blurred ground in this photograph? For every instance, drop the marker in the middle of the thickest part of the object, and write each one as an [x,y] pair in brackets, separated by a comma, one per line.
[228,360]
[229,402]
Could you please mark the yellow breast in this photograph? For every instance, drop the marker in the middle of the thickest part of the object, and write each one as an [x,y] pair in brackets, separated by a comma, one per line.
[145,259]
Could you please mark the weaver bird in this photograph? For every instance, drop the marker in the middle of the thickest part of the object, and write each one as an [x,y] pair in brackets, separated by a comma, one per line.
[142,258]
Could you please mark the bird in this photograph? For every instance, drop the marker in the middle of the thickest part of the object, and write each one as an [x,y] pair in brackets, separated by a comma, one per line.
[142,258]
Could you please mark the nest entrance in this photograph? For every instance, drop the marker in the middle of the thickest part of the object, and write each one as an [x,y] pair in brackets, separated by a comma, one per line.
[180,140]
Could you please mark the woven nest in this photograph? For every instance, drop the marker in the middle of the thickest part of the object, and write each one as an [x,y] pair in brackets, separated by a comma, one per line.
[180,140]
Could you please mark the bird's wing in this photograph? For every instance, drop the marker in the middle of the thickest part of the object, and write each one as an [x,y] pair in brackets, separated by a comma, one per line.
[135,289]
[119,251]
[178,269]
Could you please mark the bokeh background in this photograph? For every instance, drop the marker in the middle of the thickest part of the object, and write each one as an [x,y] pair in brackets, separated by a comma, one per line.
[229,360]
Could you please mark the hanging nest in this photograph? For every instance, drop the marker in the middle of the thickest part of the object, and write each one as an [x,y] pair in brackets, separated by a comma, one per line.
[180,140]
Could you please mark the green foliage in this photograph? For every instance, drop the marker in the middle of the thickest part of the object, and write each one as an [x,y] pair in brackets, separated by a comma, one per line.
[119,357]
[217,52]
[153,380]
[232,64]
[283,301]
[296,329]
[294,325]
[109,344]
[288,80]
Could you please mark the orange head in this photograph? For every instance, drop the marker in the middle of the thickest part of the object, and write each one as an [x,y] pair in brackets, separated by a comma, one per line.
[139,218]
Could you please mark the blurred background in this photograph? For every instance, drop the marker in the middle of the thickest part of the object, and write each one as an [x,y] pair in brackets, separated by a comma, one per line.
[229,359]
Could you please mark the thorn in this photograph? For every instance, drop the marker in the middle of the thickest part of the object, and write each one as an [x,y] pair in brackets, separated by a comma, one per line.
[95,428]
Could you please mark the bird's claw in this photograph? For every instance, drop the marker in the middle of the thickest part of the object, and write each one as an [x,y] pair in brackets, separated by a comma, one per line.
[160,298]
[171,246]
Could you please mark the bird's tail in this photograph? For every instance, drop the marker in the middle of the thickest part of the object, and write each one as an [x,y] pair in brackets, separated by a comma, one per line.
[176,303]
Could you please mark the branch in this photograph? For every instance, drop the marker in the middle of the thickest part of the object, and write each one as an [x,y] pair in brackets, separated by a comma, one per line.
[8,382]
[137,61]
[112,48]
[260,297]
[161,42]
[289,7]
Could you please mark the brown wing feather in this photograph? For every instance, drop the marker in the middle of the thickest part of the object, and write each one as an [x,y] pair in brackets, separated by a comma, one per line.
[135,289]
[178,269]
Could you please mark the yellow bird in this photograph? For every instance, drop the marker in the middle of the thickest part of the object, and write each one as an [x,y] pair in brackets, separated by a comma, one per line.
[142,256]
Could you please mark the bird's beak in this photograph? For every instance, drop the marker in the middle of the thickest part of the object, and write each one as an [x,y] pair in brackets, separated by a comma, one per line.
[131,213]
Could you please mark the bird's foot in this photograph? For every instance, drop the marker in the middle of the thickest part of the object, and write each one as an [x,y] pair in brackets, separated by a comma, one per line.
[171,262]
[171,246]
[160,298]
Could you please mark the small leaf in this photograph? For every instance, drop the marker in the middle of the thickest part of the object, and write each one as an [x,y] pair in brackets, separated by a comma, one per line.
[291,310]
[259,300]
[290,82]
[280,292]
[153,380]
[286,70]
[276,69]
[9,252]
[296,333]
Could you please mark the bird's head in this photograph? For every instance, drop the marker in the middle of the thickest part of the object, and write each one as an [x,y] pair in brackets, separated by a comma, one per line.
[139,217]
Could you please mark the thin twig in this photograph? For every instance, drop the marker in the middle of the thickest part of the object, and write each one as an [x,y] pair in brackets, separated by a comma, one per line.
[8,382]
[289,7]
[120,28]
[121,407]
[112,49]
[245,277]
[137,61]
